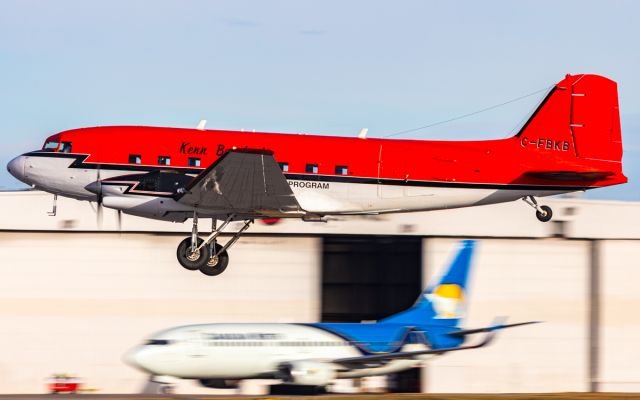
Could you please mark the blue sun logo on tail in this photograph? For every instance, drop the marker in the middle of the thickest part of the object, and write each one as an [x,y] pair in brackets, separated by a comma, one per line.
[447,300]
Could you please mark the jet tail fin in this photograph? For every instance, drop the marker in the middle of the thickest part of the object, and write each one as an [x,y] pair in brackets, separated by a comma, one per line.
[442,303]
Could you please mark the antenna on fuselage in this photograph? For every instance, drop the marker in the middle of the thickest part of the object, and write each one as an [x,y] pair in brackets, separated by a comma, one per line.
[201,124]
[363,133]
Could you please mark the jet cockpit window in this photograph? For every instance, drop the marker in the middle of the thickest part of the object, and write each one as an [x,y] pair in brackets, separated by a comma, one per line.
[65,147]
[157,342]
[51,145]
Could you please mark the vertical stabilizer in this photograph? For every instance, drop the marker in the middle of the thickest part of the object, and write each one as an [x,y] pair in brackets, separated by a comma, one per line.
[579,118]
[442,303]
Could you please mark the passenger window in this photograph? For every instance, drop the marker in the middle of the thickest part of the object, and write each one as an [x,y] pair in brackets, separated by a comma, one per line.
[284,166]
[311,169]
[65,147]
[135,159]
[194,162]
[50,145]
[342,170]
[164,160]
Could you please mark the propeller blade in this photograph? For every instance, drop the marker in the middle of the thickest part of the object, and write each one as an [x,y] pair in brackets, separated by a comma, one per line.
[119,220]
[99,215]
[99,199]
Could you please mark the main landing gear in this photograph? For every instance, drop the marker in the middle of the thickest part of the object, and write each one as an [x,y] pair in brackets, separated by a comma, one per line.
[543,213]
[208,255]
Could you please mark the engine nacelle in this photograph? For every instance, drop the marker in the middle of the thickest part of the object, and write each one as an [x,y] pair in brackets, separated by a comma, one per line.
[219,383]
[311,373]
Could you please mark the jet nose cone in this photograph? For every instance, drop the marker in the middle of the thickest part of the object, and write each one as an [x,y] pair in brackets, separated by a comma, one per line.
[131,358]
[136,358]
[16,167]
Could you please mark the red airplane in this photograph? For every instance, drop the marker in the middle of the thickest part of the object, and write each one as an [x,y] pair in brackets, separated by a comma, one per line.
[572,142]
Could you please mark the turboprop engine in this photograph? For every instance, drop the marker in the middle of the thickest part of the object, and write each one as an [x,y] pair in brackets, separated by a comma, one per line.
[311,373]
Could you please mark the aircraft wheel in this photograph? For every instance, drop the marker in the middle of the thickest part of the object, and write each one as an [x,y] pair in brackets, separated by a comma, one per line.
[546,216]
[216,264]
[165,389]
[189,260]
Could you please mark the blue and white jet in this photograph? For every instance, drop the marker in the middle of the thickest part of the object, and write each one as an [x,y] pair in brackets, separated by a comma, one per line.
[313,354]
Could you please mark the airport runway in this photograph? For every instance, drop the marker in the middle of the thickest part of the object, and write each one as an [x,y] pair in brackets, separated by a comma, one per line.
[520,396]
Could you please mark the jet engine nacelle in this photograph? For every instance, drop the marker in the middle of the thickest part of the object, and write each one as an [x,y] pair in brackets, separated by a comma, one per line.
[311,373]
[219,383]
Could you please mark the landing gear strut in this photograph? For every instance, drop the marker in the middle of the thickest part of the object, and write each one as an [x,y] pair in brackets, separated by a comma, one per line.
[208,255]
[543,213]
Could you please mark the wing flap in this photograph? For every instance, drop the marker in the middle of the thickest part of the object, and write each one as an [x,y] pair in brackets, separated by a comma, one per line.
[243,181]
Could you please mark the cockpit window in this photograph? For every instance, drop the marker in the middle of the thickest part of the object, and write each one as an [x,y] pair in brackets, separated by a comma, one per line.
[157,342]
[65,147]
[50,145]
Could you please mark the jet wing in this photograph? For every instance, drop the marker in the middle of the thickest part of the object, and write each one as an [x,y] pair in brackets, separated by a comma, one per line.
[376,359]
[243,181]
[355,362]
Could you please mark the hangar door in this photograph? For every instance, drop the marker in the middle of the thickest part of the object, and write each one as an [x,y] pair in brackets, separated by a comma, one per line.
[369,278]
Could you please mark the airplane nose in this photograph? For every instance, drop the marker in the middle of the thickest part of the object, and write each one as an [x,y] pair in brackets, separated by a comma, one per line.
[16,167]
[135,358]
[131,358]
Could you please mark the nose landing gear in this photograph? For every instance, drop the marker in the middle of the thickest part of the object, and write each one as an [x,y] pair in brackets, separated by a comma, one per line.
[208,255]
[543,213]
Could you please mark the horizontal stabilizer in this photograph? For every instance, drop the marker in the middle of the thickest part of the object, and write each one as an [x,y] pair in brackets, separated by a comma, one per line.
[490,328]
[571,175]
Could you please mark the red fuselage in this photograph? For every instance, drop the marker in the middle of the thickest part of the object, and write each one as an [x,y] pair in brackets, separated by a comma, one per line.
[489,162]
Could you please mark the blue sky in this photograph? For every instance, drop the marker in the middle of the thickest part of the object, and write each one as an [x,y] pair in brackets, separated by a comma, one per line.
[326,67]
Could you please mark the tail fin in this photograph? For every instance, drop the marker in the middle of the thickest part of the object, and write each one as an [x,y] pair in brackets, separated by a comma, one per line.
[579,117]
[442,303]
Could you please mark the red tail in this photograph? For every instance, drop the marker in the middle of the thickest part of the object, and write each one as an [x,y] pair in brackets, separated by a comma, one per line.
[578,124]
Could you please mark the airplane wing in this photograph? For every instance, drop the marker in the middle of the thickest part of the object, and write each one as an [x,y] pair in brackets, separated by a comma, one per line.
[359,362]
[242,181]
[355,362]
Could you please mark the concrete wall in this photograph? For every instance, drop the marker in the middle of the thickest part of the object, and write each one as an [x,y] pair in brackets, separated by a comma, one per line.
[527,280]
[75,303]
[620,319]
